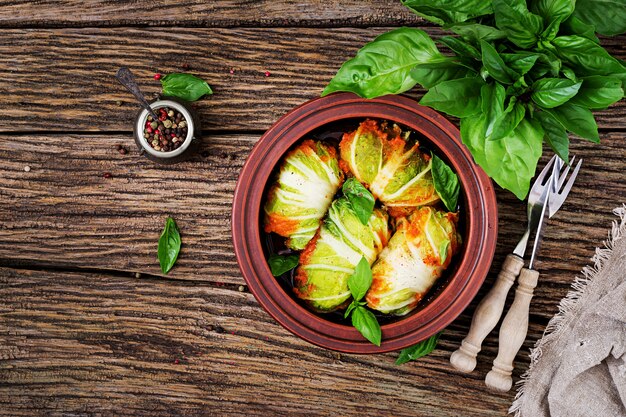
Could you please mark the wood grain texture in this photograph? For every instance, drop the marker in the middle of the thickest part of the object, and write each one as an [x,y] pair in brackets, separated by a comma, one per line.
[64,213]
[224,13]
[95,344]
[63,79]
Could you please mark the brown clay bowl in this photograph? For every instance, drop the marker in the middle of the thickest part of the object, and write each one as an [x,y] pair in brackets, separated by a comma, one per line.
[450,297]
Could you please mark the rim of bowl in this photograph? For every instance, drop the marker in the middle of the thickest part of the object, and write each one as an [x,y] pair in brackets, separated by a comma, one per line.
[143,117]
[462,286]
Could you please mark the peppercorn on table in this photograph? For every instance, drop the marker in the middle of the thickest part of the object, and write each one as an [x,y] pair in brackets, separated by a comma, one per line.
[88,323]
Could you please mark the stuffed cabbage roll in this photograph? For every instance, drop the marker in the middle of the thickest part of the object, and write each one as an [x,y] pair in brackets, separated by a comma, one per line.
[417,254]
[307,181]
[331,257]
[397,173]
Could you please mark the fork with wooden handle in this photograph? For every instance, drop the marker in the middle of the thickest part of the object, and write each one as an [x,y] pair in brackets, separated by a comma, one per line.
[515,325]
[490,309]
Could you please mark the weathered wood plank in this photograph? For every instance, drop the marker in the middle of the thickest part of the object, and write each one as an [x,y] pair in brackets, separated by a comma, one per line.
[65,214]
[221,13]
[51,213]
[90,344]
[63,79]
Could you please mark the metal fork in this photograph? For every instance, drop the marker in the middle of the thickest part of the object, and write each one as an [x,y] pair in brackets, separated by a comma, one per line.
[490,309]
[515,324]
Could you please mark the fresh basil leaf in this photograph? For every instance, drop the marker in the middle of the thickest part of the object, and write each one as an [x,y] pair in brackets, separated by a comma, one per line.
[509,120]
[511,161]
[460,47]
[587,57]
[430,74]
[569,74]
[360,198]
[419,350]
[578,120]
[547,62]
[350,308]
[460,98]
[279,264]
[444,12]
[384,65]
[495,65]
[520,62]
[185,86]
[361,280]
[446,183]
[169,245]
[608,16]
[521,26]
[477,32]
[553,13]
[492,104]
[598,92]
[365,322]
[552,92]
[555,135]
[575,26]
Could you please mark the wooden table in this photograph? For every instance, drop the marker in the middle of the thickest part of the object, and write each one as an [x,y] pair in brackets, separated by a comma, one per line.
[88,324]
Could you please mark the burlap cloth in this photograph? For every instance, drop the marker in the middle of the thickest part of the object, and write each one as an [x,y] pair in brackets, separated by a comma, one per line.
[578,368]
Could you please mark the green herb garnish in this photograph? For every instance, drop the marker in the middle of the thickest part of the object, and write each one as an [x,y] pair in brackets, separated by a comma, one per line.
[423,348]
[279,264]
[446,183]
[362,319]
[169,245]
[360,198]
[521,73]
[185,86]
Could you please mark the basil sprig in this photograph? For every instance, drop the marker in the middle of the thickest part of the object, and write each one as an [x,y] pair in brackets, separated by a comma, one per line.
[184,86]
[446,183]
[423,348]
[360,198]
[520,73]
[362,319]
[169,245]
[279,264]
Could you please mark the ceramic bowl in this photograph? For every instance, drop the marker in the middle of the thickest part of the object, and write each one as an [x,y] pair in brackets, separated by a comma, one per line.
[447,299]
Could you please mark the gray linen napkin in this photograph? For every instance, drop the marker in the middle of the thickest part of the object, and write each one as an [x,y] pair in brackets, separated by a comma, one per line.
[578,368]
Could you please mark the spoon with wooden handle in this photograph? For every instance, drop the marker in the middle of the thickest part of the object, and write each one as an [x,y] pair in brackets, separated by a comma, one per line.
[490,309]
[515,324]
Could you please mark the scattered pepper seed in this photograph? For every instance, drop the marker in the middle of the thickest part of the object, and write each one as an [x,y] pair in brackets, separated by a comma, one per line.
[137,274]
[241,288]
[26,168]
[118,103]
[157,76]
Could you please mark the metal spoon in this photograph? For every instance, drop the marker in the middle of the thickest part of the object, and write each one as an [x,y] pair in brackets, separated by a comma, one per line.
[125,77]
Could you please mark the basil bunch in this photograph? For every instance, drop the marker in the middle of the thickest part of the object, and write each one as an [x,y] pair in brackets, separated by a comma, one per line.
[520,74]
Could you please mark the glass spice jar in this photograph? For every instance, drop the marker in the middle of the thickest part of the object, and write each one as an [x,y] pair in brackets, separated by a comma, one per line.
[190,142]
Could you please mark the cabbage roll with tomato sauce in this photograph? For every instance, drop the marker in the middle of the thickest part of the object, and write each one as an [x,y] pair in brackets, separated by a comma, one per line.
[418,253]
[331,257]
[308,179]
[396,172]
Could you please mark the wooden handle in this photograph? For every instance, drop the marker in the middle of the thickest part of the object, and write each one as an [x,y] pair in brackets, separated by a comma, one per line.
[512,332]
[486,315]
